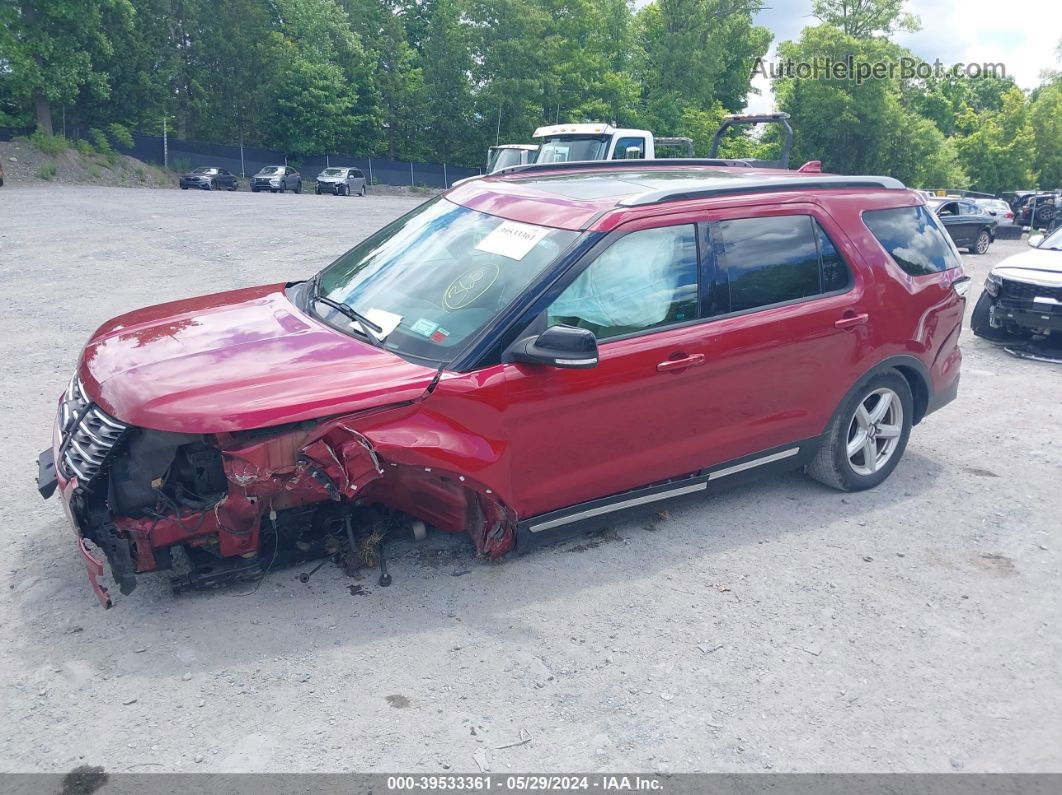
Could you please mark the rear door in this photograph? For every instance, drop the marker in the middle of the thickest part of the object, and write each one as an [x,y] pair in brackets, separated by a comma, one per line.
[797,334]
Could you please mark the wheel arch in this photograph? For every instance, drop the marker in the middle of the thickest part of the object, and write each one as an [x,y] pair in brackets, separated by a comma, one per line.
[914,372]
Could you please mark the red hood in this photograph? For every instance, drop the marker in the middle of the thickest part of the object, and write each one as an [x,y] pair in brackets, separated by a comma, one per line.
[236,361]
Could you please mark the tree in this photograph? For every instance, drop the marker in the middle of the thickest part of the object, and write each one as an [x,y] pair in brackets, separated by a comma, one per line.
[447,87]
[1045,115]
[50,48]
[320,97]
[397,74]
[865,18]
[695,53]
[998,154]
[858,127]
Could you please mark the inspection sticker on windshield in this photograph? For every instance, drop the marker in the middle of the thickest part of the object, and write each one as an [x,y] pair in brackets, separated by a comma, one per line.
[424,327]
[512,240]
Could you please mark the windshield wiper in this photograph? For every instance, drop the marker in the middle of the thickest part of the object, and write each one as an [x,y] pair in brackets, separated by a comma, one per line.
[349,312]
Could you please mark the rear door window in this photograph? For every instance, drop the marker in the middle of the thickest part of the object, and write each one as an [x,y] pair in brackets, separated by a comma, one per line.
[913,239]
[778,259]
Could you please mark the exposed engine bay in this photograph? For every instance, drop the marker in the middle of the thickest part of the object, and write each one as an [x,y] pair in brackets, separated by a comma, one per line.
[220,508]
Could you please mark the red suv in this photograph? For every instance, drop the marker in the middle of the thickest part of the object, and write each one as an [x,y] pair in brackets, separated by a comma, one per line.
[516,359]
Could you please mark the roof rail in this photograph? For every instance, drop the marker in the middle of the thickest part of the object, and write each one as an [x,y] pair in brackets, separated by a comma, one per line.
[590,165]
[753,184]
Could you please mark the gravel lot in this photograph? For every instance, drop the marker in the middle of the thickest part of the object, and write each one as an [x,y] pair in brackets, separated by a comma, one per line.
[779,627]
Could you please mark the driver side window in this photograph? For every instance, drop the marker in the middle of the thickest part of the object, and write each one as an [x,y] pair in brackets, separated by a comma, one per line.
[646,279]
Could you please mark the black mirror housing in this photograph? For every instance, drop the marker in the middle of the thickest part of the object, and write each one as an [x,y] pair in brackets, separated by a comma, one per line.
[566,347]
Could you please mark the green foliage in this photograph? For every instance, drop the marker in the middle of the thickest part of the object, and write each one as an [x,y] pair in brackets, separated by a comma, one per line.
[46,172]
[100,142]
[441,80]
[865,18]
[48,144]
[1045,116]
[121,134]
[998,154]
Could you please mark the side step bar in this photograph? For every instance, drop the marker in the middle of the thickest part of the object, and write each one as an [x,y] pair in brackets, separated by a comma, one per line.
[550,527]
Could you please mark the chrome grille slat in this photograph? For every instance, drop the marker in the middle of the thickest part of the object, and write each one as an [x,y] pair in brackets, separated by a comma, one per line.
[88,434]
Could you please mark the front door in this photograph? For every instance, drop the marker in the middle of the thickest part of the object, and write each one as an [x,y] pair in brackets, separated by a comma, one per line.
[579,434]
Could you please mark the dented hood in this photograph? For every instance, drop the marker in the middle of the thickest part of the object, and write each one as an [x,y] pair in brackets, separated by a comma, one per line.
[236,361]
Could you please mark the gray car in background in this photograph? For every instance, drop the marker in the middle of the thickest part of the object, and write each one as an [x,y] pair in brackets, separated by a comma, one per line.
[341,181]
[998,209]
[277,179]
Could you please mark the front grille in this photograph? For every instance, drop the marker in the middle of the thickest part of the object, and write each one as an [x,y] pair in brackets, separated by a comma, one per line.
[89,435]
[1023,291]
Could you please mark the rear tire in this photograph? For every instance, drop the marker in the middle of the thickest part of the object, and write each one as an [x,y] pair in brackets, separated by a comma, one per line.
[984,240]
[867,438]
[362,193]
[298,187]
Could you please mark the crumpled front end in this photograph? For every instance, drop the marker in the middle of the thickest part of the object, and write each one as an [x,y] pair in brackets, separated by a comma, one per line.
[225,507]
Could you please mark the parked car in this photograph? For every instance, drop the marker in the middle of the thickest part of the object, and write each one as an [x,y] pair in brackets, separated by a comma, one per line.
[209,178]
[970,226]
[341,181]
[277,179]
[1023,294]
[517,359]
[1038,211]
[998,209]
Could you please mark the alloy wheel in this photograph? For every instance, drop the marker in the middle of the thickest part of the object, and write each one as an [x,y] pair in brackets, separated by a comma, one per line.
[874,431]
[983,241]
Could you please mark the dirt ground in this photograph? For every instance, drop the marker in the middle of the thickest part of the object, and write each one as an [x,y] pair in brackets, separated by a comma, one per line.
[780,627]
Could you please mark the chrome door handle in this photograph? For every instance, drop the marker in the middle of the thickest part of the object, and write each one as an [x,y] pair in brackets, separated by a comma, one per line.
[851,321]
[680,364]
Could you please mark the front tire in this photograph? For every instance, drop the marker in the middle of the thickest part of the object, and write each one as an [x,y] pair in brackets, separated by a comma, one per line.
[984,240]
[362,193]
[867,438]
[298,187]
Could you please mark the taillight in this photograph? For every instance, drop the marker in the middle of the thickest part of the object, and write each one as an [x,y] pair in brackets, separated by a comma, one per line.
[1009,216]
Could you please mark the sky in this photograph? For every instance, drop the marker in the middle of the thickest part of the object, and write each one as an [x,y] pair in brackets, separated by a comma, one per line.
[1021,35]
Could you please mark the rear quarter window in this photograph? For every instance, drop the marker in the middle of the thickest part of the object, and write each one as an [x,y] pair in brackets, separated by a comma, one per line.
[913,239]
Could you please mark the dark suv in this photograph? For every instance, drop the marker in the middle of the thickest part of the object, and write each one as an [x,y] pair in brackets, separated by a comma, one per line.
[516,360]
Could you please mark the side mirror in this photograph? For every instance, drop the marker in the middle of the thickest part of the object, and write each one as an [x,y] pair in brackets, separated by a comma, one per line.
[633,153]
[559,346]
[1036,240]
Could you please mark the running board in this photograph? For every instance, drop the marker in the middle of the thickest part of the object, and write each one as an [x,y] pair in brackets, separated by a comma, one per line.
[550,527]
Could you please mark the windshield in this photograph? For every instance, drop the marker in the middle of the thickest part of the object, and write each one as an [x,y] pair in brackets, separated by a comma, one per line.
[503,158]
[1053,241]
[203,171]
[565,148]
[436,276]
[270,170]
[332,172]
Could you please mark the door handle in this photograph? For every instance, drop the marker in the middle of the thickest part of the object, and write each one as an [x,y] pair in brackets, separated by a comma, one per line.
[680,364]
[851,320]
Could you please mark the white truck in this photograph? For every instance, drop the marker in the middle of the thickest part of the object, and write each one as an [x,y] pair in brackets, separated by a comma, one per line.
[505,155]
[561,143]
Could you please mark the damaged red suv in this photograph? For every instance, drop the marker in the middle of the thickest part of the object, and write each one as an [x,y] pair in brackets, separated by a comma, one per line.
[516,360]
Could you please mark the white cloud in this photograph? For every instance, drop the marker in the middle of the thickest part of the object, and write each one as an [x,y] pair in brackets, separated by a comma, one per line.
[1023,37]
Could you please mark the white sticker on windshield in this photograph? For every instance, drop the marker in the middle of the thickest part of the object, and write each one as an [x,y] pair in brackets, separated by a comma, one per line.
[512,240]
[387,321]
